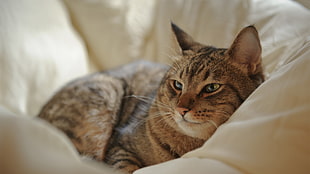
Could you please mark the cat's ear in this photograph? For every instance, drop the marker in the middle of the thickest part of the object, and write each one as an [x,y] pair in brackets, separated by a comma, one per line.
[185,42]
[246,50]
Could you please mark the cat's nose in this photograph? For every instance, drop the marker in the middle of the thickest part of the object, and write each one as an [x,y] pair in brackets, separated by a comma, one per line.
[182,111]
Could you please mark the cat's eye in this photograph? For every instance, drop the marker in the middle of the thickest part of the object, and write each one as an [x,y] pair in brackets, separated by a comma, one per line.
[177,85]
[212,87]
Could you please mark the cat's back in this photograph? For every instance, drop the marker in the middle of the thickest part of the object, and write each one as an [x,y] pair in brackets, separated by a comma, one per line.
[139,78]
[88,108]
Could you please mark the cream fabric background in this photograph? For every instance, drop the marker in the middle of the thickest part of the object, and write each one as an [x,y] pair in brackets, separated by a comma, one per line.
[44,44]
[39,52]
[113,30]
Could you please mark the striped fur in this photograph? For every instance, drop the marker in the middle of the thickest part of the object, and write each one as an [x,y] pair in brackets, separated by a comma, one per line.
[145,113]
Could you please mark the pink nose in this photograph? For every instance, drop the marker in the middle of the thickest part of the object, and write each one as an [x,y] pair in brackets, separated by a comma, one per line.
[182,111]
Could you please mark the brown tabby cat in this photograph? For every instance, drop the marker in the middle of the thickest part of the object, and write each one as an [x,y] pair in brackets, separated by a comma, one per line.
[145,113]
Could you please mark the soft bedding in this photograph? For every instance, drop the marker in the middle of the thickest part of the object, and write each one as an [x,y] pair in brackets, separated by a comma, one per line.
[44,45]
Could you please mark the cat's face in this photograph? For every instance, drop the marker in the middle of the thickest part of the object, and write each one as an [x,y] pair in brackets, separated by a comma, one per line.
[206,85]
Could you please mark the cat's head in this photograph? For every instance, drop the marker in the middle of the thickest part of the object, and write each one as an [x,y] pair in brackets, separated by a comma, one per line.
[205,85]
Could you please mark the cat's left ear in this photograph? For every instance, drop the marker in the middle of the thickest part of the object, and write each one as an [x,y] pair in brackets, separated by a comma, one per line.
[185,42]
[246,50]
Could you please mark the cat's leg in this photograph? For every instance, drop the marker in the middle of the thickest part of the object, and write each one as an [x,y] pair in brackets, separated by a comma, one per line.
[122,159]
[87,111]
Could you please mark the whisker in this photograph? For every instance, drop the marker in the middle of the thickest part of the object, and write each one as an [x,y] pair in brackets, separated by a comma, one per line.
[224,113]
[161,115]
[213,123]
[154,116]
[150,99]
[163,120]
[173,61]
[141,98]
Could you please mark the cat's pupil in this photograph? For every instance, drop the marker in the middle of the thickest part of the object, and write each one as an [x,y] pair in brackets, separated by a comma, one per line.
[212,87]
[178,85]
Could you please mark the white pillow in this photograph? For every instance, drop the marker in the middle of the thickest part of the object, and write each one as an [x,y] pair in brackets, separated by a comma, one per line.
[114,30]
[39,51]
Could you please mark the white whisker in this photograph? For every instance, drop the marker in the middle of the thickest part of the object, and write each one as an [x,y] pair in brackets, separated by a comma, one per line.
[213,123]
[224,113]
[149,100]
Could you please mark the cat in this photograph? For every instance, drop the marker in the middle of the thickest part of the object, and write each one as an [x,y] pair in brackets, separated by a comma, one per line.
[146,113]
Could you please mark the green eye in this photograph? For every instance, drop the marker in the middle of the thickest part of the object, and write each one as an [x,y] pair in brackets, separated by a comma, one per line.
[177,85]
[212,87]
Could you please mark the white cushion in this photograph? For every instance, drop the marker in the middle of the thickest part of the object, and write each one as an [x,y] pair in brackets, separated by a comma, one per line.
[39,52]
[31,146]
[114,31]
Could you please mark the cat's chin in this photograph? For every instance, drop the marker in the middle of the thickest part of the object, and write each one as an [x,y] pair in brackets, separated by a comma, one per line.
[201,130]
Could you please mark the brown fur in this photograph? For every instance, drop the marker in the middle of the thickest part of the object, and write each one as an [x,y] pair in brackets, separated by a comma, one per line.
[144,113]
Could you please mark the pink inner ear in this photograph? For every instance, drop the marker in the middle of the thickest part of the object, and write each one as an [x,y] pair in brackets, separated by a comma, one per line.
[246,48]
[251,47]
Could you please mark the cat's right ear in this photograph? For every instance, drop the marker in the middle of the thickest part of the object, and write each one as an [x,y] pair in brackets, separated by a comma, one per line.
[185,42]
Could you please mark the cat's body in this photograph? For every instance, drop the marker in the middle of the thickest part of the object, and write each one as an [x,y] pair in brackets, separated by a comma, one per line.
[145,113]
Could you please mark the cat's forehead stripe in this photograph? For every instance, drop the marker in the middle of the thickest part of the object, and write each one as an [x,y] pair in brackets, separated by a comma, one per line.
[201,63]
[196,68]
[200,68]
[206,75]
